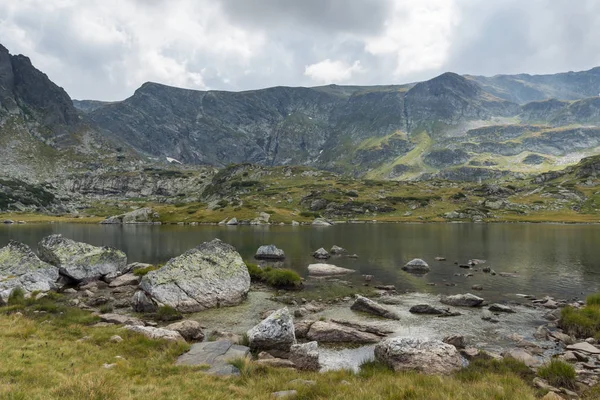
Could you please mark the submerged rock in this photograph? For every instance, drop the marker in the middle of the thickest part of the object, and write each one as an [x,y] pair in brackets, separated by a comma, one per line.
[369,306]
[21,268]
[330,332]
[418,354]
[210,275]
[81,261]
[269,252]
[416,266]
[321,254]
[462,300]
[217,355]
[274,333]
[327,270]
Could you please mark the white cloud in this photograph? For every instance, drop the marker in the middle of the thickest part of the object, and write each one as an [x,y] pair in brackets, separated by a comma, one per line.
[328,71]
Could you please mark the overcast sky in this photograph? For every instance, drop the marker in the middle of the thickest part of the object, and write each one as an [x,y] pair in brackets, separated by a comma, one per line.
[105,49]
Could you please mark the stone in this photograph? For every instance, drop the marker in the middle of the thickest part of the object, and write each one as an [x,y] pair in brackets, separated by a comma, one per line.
[276,362]
[552,396]
[274,333]
[120,319]
[321,222]
[190,330]
[304,382]
[371,307]
[269,252]
[116,339]
[305,356]
[477,287]
[523,356]
[216,355]
[156,333]
[462,300]
[440,259]
[81,261]
[469,353]
[21,268]
[416,266]
[488,316]
[584,347]
[232,221]
[210,275]
[285,394]
[500,308]
[125,280]
[301,328]
[425,309]
[141,215]
[424,355]
[141,303]
[457,341]
[321,254]
[295,223]
[327,270]
[338,251]
[329,332]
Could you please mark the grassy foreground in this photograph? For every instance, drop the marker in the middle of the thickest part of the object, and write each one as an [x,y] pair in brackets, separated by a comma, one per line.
[50,351]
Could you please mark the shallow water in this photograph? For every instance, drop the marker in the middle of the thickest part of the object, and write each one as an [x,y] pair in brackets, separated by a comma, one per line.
[557,260]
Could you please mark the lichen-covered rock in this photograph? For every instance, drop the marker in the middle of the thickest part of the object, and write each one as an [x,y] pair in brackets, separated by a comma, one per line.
[21,268]
[142,303]
[276,332]
[321,254]
[210,275]
[81,261]
[327,270]
[269,252]
[462,300]
[305,356]
[369,306]
[416,266]
[418,354]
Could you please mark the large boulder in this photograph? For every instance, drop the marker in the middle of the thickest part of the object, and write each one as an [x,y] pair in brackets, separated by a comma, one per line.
[462,300]
[330,332]
[269,252]
[21,268]
[210,275]
[416,266]
[305,356]
[418,354]
[81,261]
[274,333]
[369,306]
[327,270]
[139,216]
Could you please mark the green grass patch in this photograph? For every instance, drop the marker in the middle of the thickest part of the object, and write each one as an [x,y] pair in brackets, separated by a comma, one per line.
[582,323]
[276,277]
[484,365]
[145,270]
[559,374]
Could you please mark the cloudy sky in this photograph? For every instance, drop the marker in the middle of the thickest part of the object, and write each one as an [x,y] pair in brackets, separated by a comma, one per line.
[105,49]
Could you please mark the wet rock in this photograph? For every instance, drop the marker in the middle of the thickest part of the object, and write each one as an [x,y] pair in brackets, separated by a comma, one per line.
[142,303]
[477,287]
[330,332]
[488,316]
[269,252]
[371,307]
[210,275]
[190,330]
[327,270]
[81,261]
[156,333]
[364,327]
[425,309]
[500,308]
[462,300]
[584,347]
[416,266]
[305,356]
[338,251]
[457,341]
[125,280]
[120,319]
[217,355]
[275,333]
[418,354]
[21,268]
[321,254]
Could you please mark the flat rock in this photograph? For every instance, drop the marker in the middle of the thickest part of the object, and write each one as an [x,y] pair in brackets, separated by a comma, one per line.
[269,252]
[276,332]
[125,280]
[141,215]
[584,347]
[500,308]
[81,261]
[120,319]
[156,333]
[285,394]
[424,355]
[21,268]
[327,270]
[425,309]
[216,355]
[276,362]
[369,306]
[210,275]
[329,332]
[462,300]
[416,266]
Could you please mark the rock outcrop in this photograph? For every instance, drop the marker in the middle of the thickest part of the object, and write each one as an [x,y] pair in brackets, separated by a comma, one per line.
[427,356]
[81,261]
[210,275]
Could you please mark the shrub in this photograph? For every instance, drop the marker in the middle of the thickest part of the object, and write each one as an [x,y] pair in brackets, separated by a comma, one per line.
[584,322]
[16,297]
[144,271]
[558,373]
[593,299]
[277,277]
[168,313]
[310,214]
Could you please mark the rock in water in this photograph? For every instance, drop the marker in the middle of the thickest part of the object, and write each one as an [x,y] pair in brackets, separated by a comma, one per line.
[210,275]
[321,254]
[21,268]
[462,300]
[500,308]
[321,222]
[337,250]
[369,306]
[330,332]
[81,261]
[269,252]
[274,333]
[327,270]
[416,266]
[425,309]
[305,356]
[418,354]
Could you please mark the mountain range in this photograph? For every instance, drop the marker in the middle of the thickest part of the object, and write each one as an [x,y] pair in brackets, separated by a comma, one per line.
[455,127]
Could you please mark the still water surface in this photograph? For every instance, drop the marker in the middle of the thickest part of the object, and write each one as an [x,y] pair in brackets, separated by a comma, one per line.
[556,260]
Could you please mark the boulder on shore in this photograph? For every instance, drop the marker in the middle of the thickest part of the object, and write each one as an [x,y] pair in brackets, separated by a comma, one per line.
[321,222]
[269,252]
[81,261]
[156,333]
[140,216]
[416,266]
[372,307]
[424,355]
[327,270]
[21,268]
[305,356]
[329,332]
[212,274]
[462,300]
[274,333]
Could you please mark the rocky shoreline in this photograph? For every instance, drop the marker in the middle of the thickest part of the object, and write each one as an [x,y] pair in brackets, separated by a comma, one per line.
[429,334]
